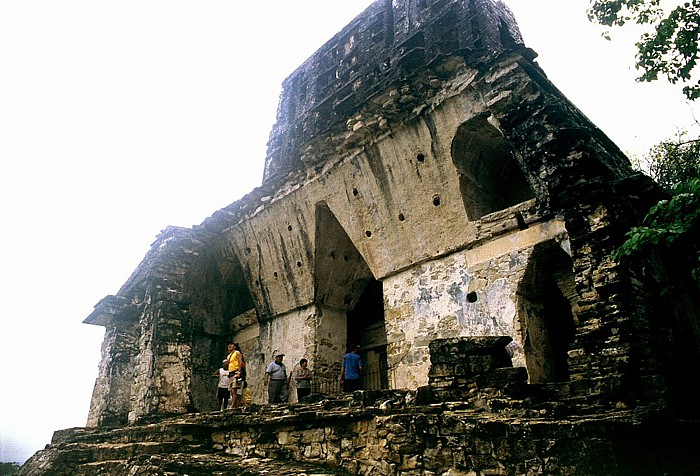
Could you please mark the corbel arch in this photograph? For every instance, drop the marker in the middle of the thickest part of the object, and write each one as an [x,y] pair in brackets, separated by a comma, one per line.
[490,177]
[348,295]
[547,326]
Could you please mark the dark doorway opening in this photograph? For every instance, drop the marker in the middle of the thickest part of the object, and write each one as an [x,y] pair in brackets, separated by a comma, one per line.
[547,322]
[366,328]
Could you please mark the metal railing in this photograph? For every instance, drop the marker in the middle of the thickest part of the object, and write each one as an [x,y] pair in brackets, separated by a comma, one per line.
[373,379]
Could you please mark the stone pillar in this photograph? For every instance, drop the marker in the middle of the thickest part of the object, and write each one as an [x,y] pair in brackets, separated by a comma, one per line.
[110,401]
[330,346]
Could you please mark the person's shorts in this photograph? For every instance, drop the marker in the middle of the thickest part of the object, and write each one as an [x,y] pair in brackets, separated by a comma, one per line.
[223,393]
[350,385]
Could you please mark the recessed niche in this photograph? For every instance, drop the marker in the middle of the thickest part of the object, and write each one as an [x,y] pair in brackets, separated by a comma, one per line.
[471,297]
[332,254]
[491,177]
[401,217]
[298,264]
[345,258]
[436,200]
[420,158]
[355,192]
[257,283]
[368,233]
[275,274]
[289,227]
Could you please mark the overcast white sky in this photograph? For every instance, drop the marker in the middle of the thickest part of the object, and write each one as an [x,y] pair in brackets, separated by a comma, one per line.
[119,118]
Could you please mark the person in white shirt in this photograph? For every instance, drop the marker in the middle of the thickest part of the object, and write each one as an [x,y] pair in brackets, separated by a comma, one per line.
[276,381]
[222,391]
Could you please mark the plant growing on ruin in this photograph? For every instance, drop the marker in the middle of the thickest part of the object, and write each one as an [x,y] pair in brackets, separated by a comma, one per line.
[671,50]
[672,224]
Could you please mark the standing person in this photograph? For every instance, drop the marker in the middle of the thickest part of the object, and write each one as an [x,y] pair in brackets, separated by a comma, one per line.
[276,381]
[303,377]
[222,391]
[351,370]
[235,366]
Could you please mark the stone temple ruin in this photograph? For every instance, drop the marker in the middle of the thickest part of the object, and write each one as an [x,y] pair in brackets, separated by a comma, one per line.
[429,194]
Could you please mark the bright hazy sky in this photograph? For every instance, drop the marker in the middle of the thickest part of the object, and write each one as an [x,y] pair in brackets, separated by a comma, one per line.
[119,118]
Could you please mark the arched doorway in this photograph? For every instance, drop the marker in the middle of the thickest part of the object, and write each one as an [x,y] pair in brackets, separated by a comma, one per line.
[350,306]
[544,308]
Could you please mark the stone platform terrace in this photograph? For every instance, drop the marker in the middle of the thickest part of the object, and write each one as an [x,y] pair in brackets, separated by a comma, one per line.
[384,433]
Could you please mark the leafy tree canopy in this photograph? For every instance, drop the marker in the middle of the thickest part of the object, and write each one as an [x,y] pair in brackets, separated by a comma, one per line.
[673,161]
[671,50]
[6,469]
[674,223]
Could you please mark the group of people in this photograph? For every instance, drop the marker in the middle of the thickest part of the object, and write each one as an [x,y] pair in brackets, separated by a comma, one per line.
[233,383]
[277,380]
[232,379]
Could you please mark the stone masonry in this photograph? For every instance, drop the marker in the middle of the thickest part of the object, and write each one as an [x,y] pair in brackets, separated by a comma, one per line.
[426,188]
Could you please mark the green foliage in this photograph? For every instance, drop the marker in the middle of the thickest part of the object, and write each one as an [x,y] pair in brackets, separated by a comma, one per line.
[672,224]
[671,50]
[6,469]
[674,161]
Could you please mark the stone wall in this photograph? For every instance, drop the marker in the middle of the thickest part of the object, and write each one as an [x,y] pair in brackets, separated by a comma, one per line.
[364,78]
[458,181]
[477,417]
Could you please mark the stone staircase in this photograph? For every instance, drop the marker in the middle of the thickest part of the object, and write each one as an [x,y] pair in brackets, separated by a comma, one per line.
[379,433]
[174,446]
[476,417]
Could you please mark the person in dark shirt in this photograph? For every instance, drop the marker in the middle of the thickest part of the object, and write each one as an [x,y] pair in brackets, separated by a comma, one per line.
[351,370]
[303,377]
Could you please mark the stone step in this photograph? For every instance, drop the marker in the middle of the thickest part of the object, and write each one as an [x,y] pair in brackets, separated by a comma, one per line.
[103,468]
[164,432]
[202,464]
[177,446]
[72,455]
[118,451]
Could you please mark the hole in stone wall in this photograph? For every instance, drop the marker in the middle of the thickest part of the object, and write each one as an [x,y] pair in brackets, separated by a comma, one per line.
[275,274]
[368,233]
[247,250]
[345,258]
[471,297]
[436,200]
[299,264]
[332,254]
[257,283]
[401,217]
[420,158]
[355,192]
[289,227]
